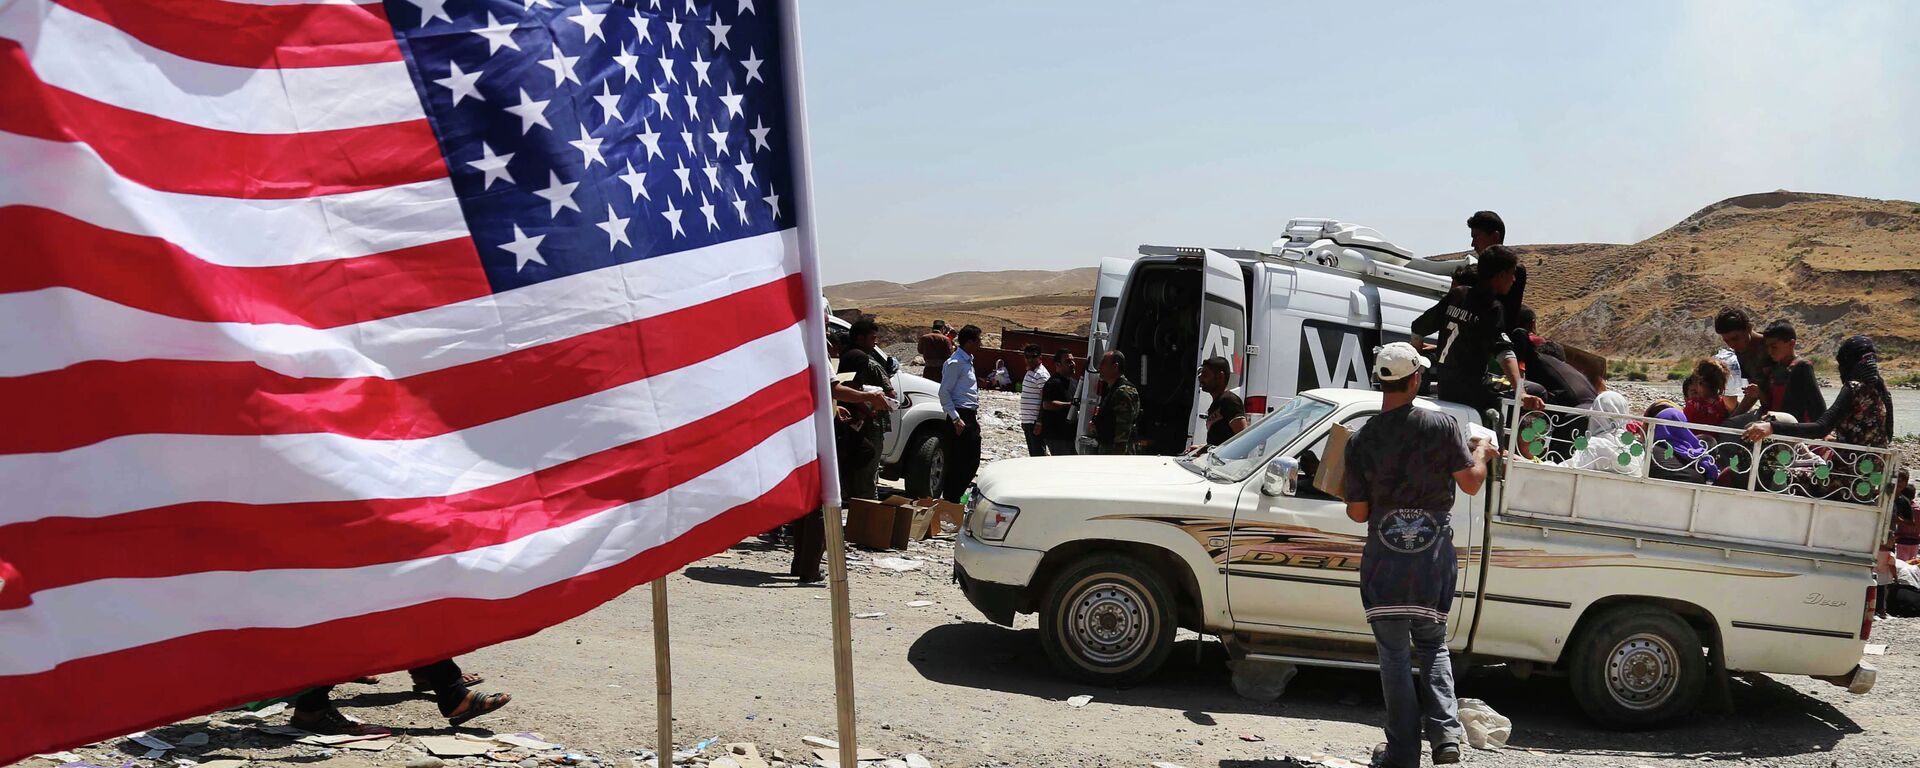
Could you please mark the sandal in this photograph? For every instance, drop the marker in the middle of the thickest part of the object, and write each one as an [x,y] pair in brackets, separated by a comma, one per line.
[475,704]
[467,680]
[330,722]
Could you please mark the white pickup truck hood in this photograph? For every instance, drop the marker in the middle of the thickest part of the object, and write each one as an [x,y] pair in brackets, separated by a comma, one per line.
[1080,477]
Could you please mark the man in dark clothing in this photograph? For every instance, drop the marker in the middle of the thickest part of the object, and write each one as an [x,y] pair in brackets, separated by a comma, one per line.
[1472,323]
[1560,383]
[1485,229]
[1119,409]
[313,709]
[1750,351]
[1227,414]
[1402,469]
[1787,384]
[934,349]
[854,408]
[1056,407]
[869,375]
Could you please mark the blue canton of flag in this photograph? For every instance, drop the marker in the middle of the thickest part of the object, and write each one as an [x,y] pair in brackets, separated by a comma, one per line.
[585,134]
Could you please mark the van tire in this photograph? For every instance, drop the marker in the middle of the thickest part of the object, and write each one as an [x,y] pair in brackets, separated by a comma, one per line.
[1637,667]
[926,463]
[1108,620]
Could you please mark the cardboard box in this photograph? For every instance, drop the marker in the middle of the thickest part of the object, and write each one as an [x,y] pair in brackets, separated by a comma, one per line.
[1331,475]
[870,523]
[947,519]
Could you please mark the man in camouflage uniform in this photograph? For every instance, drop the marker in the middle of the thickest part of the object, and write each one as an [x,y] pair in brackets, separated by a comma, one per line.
[864,361]
[1119,409]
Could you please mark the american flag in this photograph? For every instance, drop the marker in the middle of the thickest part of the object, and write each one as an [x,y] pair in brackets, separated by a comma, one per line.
[343,337]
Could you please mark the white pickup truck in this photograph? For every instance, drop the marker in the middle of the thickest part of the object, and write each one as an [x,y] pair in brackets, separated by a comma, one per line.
[1646,591]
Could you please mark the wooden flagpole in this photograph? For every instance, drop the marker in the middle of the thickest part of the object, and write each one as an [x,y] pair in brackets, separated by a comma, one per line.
[662,677]
[842,634]
[816,343]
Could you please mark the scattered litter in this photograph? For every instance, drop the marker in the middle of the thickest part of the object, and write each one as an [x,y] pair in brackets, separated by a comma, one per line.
[282,730]
[61,757]
[1079,701]
[261,714]
[575,758]
[1251,737]
[154,753]
[338,739]
[916,761]
[919,603]
[832,756]
[526,741]
[149,742]
[819,597]
[1486,729]
[871,615]
[195,740]
[1262,680]
[1876,649]
[369,745]
[453,746]
[897,564]
[704,743]
[815,741]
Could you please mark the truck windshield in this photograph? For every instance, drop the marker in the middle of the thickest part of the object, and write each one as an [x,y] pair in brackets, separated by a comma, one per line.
[1238,458]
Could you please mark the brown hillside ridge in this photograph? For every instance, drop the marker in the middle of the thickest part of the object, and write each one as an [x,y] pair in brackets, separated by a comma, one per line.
[1833,265]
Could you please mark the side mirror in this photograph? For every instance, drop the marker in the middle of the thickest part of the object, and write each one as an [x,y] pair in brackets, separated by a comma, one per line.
[1283,477]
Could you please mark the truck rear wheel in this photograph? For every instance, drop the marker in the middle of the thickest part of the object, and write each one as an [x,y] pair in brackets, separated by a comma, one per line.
[1108,620]
[926,463]
[1638,667]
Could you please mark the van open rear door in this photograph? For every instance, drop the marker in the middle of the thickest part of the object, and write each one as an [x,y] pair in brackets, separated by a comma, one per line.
[1223,331]
[1107,290]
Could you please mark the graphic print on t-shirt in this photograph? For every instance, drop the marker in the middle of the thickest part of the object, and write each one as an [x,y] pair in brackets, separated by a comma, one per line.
[1409,530]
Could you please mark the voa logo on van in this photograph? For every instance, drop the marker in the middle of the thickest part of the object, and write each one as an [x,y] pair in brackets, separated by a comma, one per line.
[1219,343]
[1335,356]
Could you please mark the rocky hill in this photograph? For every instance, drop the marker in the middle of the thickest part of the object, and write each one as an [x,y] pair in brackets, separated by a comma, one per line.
[1833,265]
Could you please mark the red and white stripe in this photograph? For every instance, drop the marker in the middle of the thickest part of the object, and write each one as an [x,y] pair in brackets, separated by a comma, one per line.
[268,427]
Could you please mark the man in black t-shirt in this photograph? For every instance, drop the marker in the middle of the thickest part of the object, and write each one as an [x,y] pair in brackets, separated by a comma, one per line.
[1056,407]
[1402,471]
[1227,414]
[1472,323]
[869,374]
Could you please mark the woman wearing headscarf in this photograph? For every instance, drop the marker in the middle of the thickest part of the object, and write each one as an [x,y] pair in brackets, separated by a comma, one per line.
[1689,460]
[1861,415]
[1609,445]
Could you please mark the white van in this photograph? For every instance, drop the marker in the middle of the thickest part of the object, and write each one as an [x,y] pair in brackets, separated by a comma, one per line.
[1304,315]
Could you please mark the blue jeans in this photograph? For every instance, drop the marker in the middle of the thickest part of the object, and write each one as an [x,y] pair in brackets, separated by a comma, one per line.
[1416,706]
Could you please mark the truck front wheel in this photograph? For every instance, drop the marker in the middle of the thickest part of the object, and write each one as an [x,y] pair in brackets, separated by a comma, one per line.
[1637,667]
[1108,620]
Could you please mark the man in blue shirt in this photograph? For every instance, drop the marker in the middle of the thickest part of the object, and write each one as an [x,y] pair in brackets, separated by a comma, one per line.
[960,398]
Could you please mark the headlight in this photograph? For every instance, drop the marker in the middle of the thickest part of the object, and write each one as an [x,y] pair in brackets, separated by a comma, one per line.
[991,521]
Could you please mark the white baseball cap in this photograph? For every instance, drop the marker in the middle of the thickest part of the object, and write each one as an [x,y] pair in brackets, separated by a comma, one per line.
[1397,361]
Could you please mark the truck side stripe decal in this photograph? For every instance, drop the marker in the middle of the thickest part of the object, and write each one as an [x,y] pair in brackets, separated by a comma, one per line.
[1794,630]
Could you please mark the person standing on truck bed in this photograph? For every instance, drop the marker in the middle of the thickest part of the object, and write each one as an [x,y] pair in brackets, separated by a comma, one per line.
[934,349]
[1787,383]
[1471,321]
[1227,414]
[1746,359]
[960,398]
[1485,229]
[1118,411]
[1402,468]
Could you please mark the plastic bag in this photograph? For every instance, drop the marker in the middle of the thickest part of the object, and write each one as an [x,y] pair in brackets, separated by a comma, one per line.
[1262,680]
[1486,729]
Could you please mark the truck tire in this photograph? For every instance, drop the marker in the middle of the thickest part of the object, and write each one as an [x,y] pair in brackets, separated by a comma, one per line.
[1638,667]
[1108,620]
[926,460]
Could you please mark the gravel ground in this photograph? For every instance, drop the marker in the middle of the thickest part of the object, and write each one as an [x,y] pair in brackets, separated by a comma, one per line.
[752,663]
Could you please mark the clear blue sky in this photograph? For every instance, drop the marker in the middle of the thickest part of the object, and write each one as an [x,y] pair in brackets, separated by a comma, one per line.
[1001,135]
